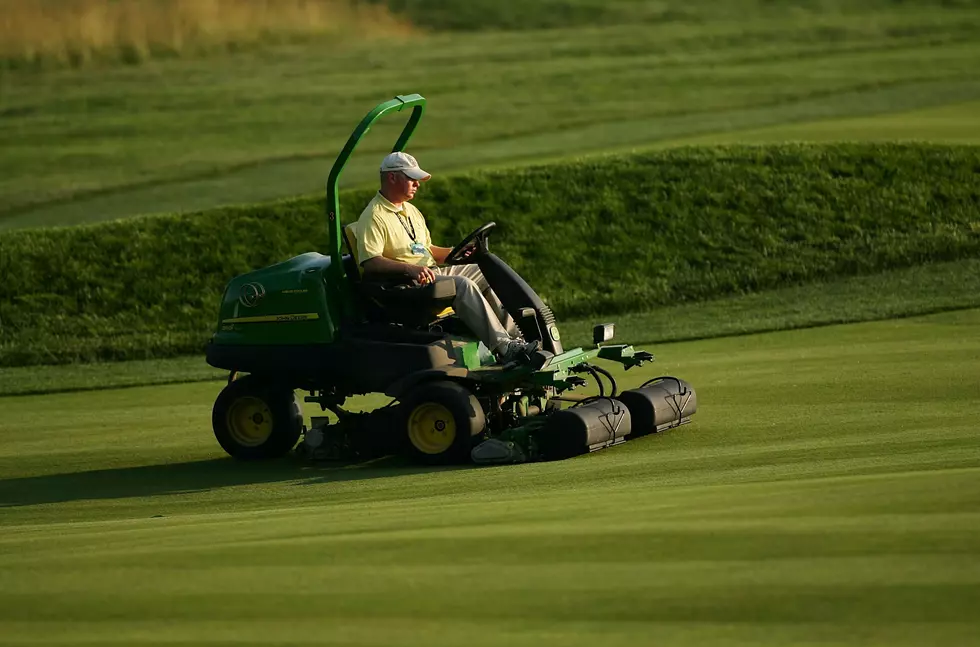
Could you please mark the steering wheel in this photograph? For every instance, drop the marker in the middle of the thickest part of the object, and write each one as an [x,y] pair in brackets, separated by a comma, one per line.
[479,236]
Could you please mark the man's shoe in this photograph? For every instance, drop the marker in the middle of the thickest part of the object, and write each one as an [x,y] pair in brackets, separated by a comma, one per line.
[518,351]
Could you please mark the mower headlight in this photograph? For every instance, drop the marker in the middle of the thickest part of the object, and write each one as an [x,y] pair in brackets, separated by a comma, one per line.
[603,333]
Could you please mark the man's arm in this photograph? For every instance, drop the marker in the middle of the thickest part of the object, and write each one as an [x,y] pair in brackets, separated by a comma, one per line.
[379,266]
[439,253]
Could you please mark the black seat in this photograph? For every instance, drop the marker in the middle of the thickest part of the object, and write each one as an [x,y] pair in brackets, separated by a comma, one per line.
[397,301]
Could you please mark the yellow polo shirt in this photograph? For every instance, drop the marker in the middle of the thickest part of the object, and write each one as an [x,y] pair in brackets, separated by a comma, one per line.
[380,232]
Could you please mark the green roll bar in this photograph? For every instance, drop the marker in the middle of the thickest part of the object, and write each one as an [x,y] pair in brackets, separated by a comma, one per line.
[414,101]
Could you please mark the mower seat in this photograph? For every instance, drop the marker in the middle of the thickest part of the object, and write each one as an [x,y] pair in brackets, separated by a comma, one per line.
[397,301]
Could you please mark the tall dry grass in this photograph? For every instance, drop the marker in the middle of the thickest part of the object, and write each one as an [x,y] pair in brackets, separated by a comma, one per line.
[74,32]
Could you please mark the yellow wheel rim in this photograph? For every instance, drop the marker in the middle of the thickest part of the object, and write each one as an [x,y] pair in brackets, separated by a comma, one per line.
[431,428]
[249,421]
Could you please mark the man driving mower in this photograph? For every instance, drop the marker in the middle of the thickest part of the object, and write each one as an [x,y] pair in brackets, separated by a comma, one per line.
[393,242]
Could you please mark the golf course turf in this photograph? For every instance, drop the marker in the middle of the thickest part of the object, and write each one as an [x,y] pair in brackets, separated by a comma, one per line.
[826,493]
[826,309]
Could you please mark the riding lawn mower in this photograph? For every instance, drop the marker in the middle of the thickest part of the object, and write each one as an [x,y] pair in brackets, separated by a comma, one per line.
[314,324]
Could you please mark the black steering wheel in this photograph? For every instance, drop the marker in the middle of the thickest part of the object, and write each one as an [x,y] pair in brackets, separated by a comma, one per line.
[478,236]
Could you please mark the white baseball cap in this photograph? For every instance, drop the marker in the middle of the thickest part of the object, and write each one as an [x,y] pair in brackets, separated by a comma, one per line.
[406,164]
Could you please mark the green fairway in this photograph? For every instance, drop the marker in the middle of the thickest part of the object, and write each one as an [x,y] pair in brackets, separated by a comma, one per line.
[953,124]
[185,134]
[827,493]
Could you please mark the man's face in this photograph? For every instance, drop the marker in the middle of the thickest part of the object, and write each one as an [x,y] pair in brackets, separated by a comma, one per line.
[401,186]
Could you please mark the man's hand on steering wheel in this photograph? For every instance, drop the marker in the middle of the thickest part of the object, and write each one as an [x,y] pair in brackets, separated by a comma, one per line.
[474,243]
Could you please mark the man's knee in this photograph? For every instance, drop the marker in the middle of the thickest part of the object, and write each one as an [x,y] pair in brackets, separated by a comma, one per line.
[464,284]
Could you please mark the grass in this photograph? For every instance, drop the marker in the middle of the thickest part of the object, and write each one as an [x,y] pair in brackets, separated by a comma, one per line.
[184,134]
[958,123]
[41,34]
[826,494]
[24,380]
[898,293]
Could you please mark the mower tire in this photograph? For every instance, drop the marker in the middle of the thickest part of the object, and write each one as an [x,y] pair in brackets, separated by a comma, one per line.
[255,419]
[438,422]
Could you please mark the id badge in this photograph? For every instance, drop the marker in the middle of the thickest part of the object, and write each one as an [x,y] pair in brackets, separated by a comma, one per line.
[418,249]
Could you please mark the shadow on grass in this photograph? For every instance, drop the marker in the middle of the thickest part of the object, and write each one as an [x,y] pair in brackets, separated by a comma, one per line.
[194,476]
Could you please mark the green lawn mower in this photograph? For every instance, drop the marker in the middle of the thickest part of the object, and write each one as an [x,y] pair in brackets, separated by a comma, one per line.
[311,324]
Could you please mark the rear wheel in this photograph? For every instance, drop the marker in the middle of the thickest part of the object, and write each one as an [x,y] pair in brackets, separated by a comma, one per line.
[439,421]
[255,419]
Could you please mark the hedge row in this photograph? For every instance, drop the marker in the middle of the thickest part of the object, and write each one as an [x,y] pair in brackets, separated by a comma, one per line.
[602,235]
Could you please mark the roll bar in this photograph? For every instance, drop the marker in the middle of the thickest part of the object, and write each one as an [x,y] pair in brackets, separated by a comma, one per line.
[414,101]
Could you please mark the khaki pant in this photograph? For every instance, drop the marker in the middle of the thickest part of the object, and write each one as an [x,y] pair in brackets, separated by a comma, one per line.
[478,306]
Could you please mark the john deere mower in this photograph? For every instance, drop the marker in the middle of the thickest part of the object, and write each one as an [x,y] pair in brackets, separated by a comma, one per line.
[312,324]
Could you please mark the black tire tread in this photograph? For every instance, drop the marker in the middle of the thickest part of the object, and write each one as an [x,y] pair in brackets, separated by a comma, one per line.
[286,414]
[467,413]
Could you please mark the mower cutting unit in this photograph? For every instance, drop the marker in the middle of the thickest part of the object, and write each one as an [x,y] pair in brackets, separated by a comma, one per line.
[312,324]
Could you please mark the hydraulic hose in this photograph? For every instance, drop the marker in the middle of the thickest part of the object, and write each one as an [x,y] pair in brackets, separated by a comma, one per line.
[680,386]
[614,388]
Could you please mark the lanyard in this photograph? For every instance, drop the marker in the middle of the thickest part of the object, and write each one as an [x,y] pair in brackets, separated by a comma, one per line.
[410,232]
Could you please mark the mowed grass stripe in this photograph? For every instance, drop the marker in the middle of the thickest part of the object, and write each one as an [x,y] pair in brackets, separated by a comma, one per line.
[956,123]
[453,631]
[811,503]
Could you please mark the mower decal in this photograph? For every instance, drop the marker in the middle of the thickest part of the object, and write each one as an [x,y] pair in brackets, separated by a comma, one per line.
[305,316]
[251,294]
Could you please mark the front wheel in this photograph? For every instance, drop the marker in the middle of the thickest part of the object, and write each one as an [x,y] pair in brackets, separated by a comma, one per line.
[438,422]
[255,419]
